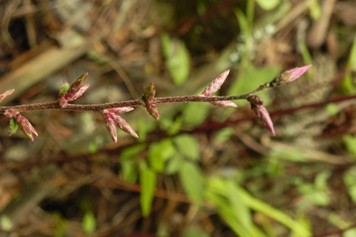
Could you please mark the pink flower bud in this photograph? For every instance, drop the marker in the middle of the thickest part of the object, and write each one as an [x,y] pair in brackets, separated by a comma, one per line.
[22,122]
[124,126]
[263,114]
[152,110]
[224,103]
[75,91]
[289,76]
[110,125]
[6,94]
[119,110]
[112,119]
[150,91]
[215,84]
[255,99]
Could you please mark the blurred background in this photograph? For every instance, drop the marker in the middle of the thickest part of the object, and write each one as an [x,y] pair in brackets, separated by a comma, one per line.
[200,171]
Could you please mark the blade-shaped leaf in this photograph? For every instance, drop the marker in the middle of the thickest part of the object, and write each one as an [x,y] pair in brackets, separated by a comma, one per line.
[192,180]
[148,185]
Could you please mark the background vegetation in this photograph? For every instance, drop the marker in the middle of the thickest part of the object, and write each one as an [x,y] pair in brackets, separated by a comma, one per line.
[200,170]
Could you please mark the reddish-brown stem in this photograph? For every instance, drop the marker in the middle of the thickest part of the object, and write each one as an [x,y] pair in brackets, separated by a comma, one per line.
[129,103]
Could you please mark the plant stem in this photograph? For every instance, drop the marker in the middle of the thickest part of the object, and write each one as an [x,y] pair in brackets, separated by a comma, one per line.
[129,103]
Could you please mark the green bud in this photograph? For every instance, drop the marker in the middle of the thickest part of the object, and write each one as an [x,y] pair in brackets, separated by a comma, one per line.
[13,126]
[64,88]
[150,91]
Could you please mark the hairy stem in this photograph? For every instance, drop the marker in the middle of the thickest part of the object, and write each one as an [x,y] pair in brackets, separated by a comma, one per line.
[129,103]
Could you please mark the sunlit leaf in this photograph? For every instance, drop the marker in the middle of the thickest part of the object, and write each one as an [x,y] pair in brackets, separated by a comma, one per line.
[315,10]
[223,135]
[89,222]
[194,232]
[192,180]
[195,113]
[187,146]
[160,152]
[148,182]
[268,4]
[350,142]
[350,182]
[177,58]
[274,213]
[174,164]
[238,205]
[129,171]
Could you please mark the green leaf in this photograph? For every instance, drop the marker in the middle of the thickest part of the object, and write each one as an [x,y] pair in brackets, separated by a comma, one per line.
[64,88]
[194,232]
[129,172]
[219,193]
[350,233]
[148,182]
[348,86]
[238,205]
[352,58]
[159,153]
[350,182]
[195,113]
[132,151]
[192,180]
[321,180]
[332,108]
[277,215]
[89,222]
[187,146]
[315,10]
[174,164]
[268,4]
[223,135]
[177,58]
[13,126]
[350,143]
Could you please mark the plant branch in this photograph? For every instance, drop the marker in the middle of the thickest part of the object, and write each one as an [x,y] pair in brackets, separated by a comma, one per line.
[112,111]
[128,103]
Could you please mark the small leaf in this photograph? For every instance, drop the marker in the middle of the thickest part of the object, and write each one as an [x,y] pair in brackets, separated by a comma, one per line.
[148,182]
[192,180]
[187,146]
[195,113]
[174,164]
[269,4]
[159,153]
[13,126]
[64,88]
[350,182]
[89,222]
[22,122]
[177,58]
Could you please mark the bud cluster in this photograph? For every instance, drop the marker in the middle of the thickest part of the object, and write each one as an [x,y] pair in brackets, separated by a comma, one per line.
[112,111]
